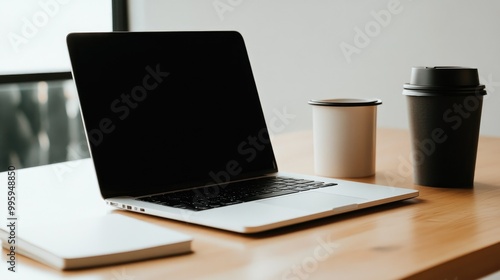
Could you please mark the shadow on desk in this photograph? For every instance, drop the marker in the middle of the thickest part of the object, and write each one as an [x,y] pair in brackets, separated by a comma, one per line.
[337,218]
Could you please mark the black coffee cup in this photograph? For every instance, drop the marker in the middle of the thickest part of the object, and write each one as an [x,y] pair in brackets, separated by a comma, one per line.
[444,110]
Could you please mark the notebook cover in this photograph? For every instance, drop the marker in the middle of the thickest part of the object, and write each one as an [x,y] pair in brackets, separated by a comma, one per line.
[95,241]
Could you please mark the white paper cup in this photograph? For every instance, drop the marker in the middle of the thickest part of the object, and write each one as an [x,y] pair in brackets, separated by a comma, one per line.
[344,136]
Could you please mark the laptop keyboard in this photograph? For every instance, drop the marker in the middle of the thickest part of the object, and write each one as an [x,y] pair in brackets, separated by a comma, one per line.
[234,193]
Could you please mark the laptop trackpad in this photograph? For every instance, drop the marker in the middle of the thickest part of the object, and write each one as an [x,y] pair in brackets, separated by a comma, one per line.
[315,202]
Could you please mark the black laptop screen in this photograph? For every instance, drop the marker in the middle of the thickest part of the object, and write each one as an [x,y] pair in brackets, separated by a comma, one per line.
[167,110]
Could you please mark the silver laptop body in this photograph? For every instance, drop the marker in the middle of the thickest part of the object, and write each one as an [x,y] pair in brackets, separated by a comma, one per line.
[176,130]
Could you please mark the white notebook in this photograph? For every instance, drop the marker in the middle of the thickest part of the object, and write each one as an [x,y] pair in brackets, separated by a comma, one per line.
[95,241]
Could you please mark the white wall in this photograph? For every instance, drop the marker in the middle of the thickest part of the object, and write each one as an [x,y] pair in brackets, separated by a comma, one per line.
[296,47]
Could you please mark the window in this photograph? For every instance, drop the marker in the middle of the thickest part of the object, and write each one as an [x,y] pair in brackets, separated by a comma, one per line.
[40,121]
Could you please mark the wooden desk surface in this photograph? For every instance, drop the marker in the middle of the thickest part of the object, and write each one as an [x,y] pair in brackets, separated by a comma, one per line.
[443,234]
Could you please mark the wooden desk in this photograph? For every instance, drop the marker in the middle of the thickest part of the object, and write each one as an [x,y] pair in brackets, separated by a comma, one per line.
[443,234]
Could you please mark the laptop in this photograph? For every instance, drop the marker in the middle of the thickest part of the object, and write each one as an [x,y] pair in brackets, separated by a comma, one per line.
[176,130]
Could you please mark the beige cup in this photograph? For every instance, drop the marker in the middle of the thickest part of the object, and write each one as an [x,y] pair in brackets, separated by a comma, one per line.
[344,136]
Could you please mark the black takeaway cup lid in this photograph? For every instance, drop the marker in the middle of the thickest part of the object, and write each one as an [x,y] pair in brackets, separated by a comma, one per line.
[444,81]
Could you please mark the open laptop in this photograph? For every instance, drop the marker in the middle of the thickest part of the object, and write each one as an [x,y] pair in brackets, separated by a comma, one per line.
[176,129]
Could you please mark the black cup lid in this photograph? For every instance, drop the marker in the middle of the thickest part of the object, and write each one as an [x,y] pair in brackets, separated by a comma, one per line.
[346,102]
[444,80]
